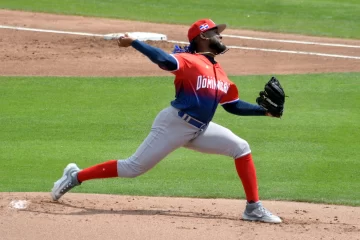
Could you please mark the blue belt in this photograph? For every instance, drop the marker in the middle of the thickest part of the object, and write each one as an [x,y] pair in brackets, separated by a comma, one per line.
[191,120]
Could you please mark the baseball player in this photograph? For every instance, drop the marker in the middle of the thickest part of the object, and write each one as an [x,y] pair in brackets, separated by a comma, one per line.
[200,84]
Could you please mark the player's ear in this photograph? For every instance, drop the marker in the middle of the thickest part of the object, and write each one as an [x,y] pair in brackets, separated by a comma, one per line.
[202,36]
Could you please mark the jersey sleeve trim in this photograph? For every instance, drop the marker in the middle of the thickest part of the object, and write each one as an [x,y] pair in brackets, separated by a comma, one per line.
[229,102]
[177,63]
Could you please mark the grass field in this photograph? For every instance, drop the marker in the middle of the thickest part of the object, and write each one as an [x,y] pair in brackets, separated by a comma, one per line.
[321,17]
[309,155]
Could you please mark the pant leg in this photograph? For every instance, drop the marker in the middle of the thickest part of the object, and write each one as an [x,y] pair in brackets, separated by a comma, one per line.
[168,133]
[217,139]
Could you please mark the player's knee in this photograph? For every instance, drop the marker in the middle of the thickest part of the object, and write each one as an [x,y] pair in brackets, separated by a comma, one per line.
[134,172]
[130,168]
[242,148]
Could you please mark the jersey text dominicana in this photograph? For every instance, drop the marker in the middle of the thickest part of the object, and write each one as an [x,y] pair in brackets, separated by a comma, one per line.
[200,86]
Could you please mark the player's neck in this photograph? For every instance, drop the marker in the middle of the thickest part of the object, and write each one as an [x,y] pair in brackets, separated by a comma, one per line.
[210,54]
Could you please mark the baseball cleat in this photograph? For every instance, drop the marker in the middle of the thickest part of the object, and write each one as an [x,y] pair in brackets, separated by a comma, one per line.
[66,182]
[256,212]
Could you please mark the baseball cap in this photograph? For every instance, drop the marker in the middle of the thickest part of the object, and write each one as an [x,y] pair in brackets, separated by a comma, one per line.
[203,25]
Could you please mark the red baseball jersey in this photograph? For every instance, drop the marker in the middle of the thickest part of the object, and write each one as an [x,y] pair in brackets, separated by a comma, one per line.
[200,86]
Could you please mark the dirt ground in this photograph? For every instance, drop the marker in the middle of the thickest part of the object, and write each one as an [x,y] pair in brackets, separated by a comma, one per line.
[105,217]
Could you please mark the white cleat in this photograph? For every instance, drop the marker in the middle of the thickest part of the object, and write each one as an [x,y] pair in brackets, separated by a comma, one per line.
[66,182]
[256,212]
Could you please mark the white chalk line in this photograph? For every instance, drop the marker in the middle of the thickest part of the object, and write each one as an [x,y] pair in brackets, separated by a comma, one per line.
[292,41]
[284,51]
[181,42]
[297,52]
[50,31]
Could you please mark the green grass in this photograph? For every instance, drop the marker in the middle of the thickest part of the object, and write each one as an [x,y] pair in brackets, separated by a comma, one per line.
[332,18]
[311,154]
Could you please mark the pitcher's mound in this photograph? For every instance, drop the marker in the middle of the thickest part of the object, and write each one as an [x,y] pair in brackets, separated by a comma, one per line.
[34,216]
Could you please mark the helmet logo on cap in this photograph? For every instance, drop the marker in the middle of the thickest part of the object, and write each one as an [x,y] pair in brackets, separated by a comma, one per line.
[203,27]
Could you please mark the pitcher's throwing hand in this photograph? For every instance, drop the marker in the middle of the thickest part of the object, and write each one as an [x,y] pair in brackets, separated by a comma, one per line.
[125,41]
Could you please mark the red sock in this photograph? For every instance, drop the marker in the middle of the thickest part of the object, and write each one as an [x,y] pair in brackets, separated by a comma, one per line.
[103,170]
[246,170]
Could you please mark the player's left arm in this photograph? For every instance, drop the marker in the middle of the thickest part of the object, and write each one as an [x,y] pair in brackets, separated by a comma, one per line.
[243,108]
[232,104]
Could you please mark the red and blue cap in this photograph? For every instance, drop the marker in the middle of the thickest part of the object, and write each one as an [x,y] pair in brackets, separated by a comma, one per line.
[203,25]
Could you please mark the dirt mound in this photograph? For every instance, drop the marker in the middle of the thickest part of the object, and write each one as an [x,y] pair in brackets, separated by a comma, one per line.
[94,216]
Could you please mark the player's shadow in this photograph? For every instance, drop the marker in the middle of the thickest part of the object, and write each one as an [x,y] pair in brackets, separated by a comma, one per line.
[93,211]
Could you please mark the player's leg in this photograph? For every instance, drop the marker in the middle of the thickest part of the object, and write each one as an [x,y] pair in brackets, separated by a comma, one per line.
[168,132]
[217,139]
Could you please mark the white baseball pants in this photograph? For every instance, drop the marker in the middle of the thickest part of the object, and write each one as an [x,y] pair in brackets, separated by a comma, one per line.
[170,132]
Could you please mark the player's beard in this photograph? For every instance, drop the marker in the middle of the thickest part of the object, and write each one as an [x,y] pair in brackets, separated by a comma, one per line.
[217,45]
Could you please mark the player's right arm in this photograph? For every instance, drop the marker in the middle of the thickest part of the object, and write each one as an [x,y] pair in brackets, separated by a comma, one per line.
[156,55]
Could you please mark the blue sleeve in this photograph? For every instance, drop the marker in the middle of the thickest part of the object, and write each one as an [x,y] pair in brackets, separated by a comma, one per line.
[244,109]
[156,55]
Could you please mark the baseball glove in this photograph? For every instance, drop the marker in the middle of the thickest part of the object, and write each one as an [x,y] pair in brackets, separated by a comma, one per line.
[272,98]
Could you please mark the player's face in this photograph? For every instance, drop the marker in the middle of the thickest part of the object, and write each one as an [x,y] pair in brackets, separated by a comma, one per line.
[215,42]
